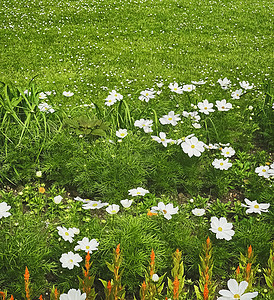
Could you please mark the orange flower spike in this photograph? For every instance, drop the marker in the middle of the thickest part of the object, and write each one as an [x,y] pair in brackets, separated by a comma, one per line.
[56,294]
[11,297]
[176,285]
[26,275]
[40,298]
[208,242]
[248,269]
[3,295]
[118,249]
[249,251]
[109,287]
[143,290]
[152,256]
[152,262]
[206,292]
[238,270]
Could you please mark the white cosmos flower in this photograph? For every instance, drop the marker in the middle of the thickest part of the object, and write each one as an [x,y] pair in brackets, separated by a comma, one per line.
[198,212]
[224,83]
[228,151]
[139,191]
[223,105]
[57,199]
[66,234]
[147,94]
[170,118]
[188,87]
[81,199]
[39,174]
[263,171]
[155,277]
[73,295]
[236,291]
[160,84]
[167,210]
[126,203]
[69,260]
[68,94]
[174,87]
[113,209]
[87,245]
[245,85]
[222,228]
[196,125]
[94,204]
[4,208]
[255,207]
[205,107]
[121,133]
[237,94]
[42,96]
[44,107]
[192,146]
[221,164]
[145,124]
[110,100]
[115,95]
[162,139]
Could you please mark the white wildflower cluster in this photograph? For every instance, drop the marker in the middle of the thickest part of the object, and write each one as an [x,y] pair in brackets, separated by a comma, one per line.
[266,171]
[170,118]
[112,98]
[70,260]
[45,107]
[4,210]
[144,124]
[147,94]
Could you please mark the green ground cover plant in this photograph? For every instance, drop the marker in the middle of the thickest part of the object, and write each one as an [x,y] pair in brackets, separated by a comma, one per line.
[142,124]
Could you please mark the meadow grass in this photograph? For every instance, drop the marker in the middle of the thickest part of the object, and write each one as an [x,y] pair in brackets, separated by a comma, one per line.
[84,45]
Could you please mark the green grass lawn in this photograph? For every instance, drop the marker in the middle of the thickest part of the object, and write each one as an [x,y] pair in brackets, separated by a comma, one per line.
[84,45]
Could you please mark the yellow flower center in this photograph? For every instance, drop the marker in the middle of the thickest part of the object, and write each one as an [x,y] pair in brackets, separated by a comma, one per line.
[122,134]
[192,146]
[115,95]
[169,119]
[109,100]
[220,229]
[223,107]
[237,296]
[162,140]
[256,206]
[221,164]
[175,89]
[205,107]
[66,233]
[146,94]
[113,211]
[263,170]
[138,193]
[227,152]
[87,247]
[164,211]
[71,261]
[94,204]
